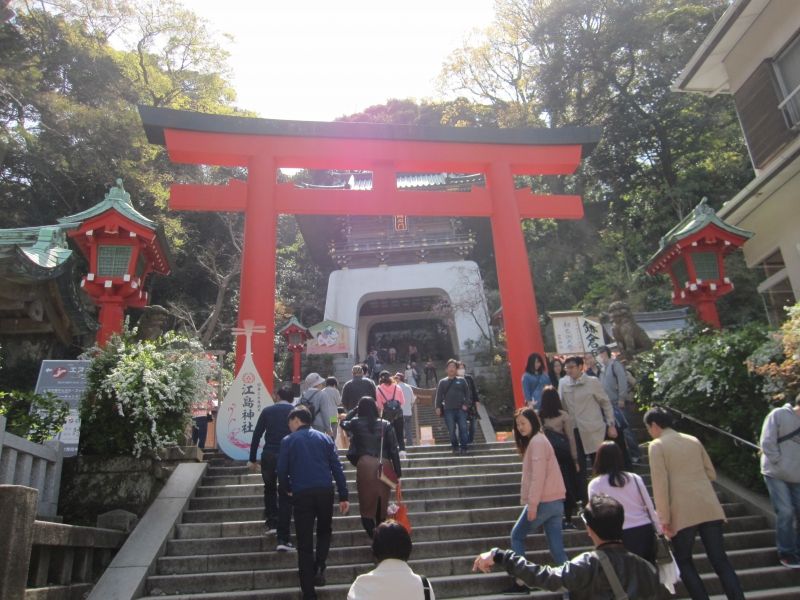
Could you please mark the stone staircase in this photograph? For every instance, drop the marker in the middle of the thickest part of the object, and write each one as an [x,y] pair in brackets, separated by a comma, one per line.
[459,506]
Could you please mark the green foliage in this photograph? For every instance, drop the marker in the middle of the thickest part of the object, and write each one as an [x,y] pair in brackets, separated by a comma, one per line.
[778,359]
[703,373]
[139,394]
[38,425]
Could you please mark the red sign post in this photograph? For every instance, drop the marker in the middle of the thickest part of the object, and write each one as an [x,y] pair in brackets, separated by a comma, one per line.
[263,146]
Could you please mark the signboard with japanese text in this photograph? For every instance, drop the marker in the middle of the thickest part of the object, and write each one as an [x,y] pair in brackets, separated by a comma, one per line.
[401,223]
[242,405]
[592,335]
[569,338]
[328,337]
[67,380]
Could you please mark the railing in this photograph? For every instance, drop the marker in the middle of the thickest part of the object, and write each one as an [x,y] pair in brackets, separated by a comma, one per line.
[65,559]
[32,465]
[735,438]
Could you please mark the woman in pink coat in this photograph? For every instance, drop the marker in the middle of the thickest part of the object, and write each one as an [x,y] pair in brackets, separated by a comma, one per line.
[542,491]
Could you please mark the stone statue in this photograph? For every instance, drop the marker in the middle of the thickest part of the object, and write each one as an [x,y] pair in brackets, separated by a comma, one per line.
[152,323]
[631,339]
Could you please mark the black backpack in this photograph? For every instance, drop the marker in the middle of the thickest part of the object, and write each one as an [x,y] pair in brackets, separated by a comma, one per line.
[306,401]
[392,409]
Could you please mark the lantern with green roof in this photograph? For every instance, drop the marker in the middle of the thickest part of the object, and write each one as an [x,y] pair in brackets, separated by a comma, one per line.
[692,254]
[123,248]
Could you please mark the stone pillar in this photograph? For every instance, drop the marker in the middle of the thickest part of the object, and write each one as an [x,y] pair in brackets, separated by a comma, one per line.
[18,507]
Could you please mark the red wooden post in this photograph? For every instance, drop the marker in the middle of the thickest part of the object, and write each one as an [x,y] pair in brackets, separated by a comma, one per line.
[257,301]
[523,334]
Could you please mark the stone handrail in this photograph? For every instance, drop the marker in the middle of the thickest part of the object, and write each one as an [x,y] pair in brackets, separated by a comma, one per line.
[32,465]
[40,559]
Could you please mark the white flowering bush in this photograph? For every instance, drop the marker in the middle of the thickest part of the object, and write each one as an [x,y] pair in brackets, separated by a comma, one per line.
[139,394]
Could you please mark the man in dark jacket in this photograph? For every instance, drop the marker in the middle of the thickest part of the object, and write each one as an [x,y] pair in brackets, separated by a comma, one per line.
[453,401]
[355,389]
[585,575]
[307,462]
[273,424]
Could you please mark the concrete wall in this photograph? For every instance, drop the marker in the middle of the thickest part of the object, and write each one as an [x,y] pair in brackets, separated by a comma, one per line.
[769,33]
[776,224]
[459,281]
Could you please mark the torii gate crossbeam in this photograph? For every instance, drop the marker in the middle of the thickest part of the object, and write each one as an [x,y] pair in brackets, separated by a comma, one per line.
[263,146]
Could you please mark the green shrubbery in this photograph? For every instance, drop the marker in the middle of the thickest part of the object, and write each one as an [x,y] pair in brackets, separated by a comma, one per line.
[704,373]
[139,394]
[38,425]
[730,379]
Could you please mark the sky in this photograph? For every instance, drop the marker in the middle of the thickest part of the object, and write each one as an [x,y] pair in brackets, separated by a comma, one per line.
[318,60]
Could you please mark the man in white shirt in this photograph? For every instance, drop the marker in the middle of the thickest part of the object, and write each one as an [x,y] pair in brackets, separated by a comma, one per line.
[408,410]
[392,579]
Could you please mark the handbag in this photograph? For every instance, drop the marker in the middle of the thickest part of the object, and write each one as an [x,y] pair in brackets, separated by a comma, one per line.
[386,473]
[663,550]
[668,572]
[398,511]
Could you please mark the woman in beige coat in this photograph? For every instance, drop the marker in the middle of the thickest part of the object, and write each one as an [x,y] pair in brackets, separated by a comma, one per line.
[687,504]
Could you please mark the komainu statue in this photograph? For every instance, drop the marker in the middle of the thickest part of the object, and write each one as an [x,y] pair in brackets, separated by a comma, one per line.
[631,339]
[152,323]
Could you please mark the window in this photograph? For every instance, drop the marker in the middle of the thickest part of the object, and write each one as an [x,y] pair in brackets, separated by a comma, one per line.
[680,272]
[787,71]
[772,264]
[776,298]
[706,266]
[775,287]
[112,261]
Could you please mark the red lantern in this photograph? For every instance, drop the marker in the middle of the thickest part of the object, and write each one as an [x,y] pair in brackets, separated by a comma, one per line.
[123,247]
[295,335]
[693,253]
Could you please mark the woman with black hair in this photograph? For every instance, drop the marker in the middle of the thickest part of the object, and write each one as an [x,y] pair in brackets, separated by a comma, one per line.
[542,490]
[559,429]
[556,371]
[392,579]
[533,381]
[370,439]
[628,489]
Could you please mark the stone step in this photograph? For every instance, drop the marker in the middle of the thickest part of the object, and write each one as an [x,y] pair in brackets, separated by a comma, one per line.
[446,532]
[757,552]
[265,573]
[466,585]
[257,501]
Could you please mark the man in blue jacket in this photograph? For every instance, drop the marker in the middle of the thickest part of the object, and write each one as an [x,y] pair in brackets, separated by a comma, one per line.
[306,464]
[273,425]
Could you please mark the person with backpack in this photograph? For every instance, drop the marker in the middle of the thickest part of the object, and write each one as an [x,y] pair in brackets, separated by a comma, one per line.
[780,466]
[321,406]
[614,378]
[558,427]
[372,443]
[390,400]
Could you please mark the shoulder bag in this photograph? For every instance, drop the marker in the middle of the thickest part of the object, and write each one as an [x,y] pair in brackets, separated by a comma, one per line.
[611,575]
[386,473]
[660,542]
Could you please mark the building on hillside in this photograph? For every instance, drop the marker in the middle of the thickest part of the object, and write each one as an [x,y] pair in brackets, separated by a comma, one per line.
[42,312]
[753,53]
[401,281]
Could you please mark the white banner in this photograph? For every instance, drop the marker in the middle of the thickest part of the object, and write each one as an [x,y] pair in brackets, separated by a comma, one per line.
[574,333]
[239,411]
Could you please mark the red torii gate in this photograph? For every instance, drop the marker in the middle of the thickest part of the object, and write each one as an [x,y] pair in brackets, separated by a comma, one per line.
[264,145]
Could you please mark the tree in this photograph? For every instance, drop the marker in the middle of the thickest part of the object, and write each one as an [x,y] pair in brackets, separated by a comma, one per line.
[69,127]
[580,62]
